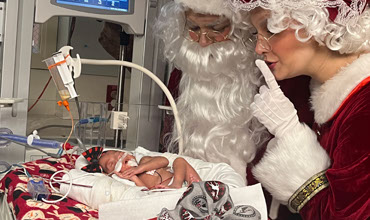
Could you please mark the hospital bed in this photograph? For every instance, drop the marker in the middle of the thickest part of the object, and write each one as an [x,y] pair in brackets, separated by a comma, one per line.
[110,196]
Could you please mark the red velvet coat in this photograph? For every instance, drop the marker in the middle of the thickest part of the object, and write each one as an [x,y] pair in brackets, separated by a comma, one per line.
[346,138]
[341,147]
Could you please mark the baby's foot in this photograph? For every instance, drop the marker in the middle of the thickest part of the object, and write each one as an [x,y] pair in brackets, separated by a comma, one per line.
[175,186]
[193,179]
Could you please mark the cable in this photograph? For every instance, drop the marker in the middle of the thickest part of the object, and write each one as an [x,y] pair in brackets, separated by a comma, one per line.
[50,126]
[155,79]
[37,100]
[60,180]
[29,146]
[51,185]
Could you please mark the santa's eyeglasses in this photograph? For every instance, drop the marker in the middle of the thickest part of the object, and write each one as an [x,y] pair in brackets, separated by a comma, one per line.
[194,34]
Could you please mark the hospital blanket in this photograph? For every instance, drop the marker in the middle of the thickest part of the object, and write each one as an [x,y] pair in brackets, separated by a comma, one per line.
[14,185]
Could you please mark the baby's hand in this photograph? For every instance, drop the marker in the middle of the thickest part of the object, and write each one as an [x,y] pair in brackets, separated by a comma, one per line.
[123,176]
[132,171]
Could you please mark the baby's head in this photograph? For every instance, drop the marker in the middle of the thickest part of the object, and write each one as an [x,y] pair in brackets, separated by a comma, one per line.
[110,158]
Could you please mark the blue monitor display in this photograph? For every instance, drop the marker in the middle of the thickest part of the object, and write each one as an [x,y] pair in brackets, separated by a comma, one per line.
[112,5]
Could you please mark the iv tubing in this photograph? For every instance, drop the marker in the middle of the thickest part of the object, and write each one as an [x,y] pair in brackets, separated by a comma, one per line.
[155,79]
[36,142]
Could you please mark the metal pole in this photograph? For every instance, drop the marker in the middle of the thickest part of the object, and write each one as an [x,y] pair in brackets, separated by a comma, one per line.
[124,41]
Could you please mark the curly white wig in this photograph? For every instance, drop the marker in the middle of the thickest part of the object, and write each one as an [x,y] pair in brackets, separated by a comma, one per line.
[348,33]
[216,89]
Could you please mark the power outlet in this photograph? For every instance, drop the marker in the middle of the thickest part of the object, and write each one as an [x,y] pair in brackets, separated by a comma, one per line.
[119,120]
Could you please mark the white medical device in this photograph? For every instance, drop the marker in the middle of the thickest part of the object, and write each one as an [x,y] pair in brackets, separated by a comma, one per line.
[60,66]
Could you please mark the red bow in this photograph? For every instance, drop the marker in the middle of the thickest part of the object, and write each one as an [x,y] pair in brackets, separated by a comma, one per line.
[92,156]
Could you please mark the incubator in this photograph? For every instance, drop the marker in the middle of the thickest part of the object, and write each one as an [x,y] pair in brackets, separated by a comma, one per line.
[22,19]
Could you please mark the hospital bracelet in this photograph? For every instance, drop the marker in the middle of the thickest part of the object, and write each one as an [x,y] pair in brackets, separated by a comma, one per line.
[307,191]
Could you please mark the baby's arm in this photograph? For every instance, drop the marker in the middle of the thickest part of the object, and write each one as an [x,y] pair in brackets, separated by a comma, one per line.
[137,181]
[133,178]
[147,163]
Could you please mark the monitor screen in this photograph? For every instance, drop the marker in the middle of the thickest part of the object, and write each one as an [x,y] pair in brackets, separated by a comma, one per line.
[111,5]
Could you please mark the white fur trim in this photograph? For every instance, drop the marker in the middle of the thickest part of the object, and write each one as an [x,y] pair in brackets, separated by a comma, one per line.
[290,161]
[214,7]
[326,98]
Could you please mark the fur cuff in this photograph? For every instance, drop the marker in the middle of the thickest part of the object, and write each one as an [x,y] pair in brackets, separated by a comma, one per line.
[290,161]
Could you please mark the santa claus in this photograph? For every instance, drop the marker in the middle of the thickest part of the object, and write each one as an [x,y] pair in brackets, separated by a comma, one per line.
[209,44]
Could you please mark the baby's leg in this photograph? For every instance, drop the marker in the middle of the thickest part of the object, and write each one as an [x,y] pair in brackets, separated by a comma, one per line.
[179,172]
[182,171]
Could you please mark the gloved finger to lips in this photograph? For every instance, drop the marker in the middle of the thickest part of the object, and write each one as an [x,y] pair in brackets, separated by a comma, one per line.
[267,74]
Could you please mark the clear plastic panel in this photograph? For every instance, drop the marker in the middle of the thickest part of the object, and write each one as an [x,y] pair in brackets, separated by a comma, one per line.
[91,128]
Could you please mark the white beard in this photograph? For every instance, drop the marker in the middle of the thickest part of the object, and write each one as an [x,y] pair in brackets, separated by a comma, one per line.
[216,90]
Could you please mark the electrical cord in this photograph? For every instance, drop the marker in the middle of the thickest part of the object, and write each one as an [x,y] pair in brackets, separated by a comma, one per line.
[50,126]
[54,179]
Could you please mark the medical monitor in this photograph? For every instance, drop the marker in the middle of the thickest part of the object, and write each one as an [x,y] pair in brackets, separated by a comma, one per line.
[130,14]
[98,6]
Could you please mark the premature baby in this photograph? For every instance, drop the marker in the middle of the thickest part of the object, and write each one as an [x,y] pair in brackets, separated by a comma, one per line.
[151,172]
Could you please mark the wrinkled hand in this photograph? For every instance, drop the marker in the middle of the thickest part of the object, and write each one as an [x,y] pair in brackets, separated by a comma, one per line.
[271,107]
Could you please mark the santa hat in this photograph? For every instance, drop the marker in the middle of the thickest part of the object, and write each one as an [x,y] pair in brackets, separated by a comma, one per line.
[340,11]
[213,7]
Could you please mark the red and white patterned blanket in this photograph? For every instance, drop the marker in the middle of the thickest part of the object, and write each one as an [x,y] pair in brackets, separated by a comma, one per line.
[14,184]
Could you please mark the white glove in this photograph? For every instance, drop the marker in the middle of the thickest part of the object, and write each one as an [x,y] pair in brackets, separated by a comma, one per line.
[271,107]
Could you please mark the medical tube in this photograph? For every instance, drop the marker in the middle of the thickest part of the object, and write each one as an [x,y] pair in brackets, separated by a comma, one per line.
[3,142]
[36,142]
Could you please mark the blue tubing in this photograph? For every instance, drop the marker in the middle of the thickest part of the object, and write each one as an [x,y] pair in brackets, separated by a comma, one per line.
[91,120]
[36,142]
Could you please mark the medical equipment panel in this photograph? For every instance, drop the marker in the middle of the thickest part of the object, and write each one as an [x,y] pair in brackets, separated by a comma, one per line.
[121,6]
[132,21]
